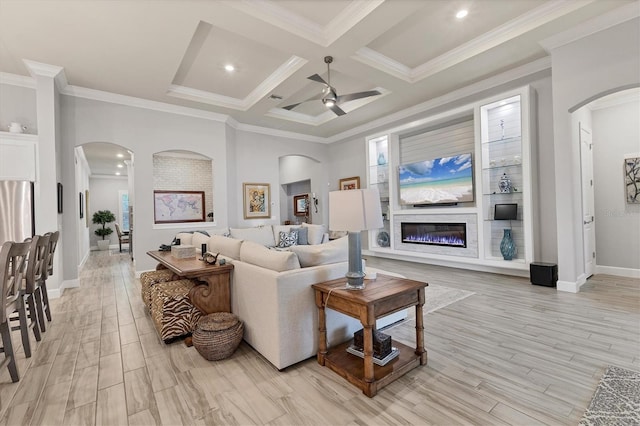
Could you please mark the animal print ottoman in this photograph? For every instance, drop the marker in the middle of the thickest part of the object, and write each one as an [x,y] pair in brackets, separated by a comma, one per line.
[149,279]
[171,310]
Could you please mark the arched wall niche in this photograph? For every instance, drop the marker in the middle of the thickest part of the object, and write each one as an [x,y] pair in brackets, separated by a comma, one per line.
[300,175]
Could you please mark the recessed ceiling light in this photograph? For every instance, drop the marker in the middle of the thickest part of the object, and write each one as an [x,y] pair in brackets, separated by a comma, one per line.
[462,13]
[120,166]
[120,156]
[229,67]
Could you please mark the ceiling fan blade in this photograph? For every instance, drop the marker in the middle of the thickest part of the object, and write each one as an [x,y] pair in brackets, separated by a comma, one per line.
[337,110]
[358,95]
[313,98]
[317,78]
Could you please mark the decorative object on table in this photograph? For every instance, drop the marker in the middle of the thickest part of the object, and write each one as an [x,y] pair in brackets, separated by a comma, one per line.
[203,248]
[102,217]
[183,251]
[505,184]
[17,128]
[301,205]
[178,206]
[632,180]
[59,197]
[381,342]
[350,183]
[382,160]
[383,239]
[355,211]
[377,360]
[218,335]
[508,246]
[222,262]
[210,258]
[257,200]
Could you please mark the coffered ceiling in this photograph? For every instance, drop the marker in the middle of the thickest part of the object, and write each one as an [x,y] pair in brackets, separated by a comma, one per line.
[175,51]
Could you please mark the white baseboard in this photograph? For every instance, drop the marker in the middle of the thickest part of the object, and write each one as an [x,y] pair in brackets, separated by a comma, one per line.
[84,259]
[568,286]
[55,293]
[620,272]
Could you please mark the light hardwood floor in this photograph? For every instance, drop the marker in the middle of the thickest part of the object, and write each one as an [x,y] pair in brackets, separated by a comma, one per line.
[512,353]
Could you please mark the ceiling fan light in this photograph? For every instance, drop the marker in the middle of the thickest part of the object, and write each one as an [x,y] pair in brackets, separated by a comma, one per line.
[329,102]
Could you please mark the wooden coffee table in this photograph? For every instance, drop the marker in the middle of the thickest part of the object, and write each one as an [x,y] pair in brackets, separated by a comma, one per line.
[382,296]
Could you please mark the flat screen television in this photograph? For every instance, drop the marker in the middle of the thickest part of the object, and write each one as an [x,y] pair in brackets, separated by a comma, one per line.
[446,180]
[506,212]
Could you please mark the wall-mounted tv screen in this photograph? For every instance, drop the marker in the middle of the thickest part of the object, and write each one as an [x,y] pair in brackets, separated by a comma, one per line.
[506,211]
[446,180]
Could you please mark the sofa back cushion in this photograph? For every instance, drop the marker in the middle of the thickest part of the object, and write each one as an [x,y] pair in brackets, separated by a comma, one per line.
[316,233]
[197,240]
[322,254]
[261,235]
[228,247]
[275,260]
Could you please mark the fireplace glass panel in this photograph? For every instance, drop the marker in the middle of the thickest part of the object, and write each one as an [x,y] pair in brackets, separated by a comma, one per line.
[439,234]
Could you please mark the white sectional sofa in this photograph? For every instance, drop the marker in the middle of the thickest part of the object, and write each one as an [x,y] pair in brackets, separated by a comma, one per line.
[271,289]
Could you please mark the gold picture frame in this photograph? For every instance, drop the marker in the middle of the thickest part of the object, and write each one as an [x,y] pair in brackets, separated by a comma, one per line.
[350,183]
[256,200]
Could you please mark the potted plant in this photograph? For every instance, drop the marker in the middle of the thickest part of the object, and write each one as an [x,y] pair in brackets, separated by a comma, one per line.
[102,217]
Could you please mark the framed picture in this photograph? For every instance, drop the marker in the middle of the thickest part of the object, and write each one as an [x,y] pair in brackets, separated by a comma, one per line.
[59,197]
[350,183]
[300,205]
[81,202]
[178,206]
[257,200]
[86,206]
[632,180]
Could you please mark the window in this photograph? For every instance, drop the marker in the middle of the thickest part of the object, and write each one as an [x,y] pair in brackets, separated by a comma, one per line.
[123,209]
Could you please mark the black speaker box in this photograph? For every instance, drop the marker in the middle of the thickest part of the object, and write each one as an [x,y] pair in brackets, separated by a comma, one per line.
[545,274]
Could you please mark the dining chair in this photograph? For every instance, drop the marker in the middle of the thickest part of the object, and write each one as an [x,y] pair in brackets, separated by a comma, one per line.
[35,273]
[123,237]
[13,258]
[41,295]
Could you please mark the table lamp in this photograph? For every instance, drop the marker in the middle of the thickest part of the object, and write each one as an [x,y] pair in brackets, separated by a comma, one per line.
[354,211]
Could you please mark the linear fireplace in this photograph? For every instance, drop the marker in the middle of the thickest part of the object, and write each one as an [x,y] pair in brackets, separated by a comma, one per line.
[438,234]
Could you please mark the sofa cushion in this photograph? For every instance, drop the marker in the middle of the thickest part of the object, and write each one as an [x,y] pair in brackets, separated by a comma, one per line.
[197,240]
[288,239]
[228,247]
[275,260]
[322,254]
[303,236]
[316,233]
[261,235]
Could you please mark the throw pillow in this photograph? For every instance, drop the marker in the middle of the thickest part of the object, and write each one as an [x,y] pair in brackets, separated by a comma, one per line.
[316,233]
[303,236]
[288,239]
[322,254]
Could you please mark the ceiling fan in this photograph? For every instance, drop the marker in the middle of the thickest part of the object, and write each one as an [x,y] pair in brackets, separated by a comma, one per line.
[329,96]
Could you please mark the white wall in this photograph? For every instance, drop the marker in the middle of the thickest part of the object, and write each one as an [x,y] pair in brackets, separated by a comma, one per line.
[18,104]
[82,185]
[616,133]
[582,70]
[103,195]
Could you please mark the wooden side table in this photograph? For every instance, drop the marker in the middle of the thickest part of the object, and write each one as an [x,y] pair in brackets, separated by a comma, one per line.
[382,296]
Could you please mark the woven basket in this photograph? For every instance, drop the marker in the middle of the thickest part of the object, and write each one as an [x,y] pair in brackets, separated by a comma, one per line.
[218,335]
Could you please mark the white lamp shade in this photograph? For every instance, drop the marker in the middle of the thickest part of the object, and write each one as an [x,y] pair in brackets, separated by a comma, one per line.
[355,210]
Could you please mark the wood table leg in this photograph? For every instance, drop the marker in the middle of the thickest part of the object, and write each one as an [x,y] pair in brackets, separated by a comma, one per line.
[322,328]
[369,385]
[215,296]
[420,351]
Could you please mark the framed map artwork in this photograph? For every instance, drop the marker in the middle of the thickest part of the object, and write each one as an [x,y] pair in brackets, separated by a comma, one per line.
[178,206]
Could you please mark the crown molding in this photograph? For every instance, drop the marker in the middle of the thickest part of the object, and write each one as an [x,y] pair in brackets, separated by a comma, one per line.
[276,15]
[276,78]
[539,65]
[507,31]
[600,23]
[99,95]
[46,70]
[280,133]
[17,80]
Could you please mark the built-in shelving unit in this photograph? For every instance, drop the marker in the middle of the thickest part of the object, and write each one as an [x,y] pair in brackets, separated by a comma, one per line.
[498,132]
[18,153]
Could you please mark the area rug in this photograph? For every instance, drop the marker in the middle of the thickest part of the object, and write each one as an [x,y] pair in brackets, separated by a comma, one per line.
[616,400]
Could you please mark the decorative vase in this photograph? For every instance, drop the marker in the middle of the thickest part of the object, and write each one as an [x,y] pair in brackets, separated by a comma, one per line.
[507,246]
[382,160]
[505,184]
